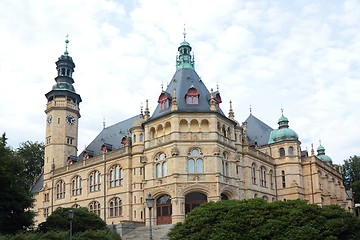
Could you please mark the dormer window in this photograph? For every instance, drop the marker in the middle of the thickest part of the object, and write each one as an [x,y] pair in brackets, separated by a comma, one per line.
[192,96]
[164,101]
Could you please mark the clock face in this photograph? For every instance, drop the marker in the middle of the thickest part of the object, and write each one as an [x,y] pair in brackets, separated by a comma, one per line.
[70,120]
[49,118]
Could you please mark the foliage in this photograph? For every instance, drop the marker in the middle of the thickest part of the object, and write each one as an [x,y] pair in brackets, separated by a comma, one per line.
[258,219]
[32,155]
[15,198]
[60,235]
[351,176]
[83,221]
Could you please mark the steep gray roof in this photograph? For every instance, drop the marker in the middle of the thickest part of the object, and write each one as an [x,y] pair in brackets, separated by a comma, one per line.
[111,135]
[257,131]
[38,184]
[182,81]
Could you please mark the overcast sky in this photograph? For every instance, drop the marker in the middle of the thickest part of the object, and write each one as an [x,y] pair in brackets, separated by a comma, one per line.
[303,56]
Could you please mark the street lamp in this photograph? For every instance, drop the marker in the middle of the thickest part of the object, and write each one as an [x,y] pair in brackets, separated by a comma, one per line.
[71,217]
[150,204]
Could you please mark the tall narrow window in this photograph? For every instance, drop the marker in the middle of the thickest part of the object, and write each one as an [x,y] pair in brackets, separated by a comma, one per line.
[283,179]
[115,207]
[95,181]
[161,167]
[116,175]
[225,164]
[195,162]
[271,179]
[94,207]
[76,186]
[290,151]
[253,173]
[141,137]
[262,175]
[60,189]
[282,152]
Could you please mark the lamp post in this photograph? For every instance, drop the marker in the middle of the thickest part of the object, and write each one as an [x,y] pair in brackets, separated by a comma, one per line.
[150,204]
[71,217]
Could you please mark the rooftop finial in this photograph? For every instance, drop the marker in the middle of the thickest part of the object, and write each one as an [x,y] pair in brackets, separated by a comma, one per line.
[66,53]
[250,109]
[104,122]
[141,108]
[320,142]
[184,33]
[282,111]
[162,86]
[217,86]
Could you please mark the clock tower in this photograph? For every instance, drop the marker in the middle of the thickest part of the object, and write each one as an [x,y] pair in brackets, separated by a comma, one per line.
[62,115]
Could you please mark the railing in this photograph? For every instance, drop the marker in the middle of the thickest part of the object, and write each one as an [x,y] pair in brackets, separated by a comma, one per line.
[62,103]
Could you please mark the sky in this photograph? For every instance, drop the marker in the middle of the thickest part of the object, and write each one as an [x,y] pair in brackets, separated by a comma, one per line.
[302,56]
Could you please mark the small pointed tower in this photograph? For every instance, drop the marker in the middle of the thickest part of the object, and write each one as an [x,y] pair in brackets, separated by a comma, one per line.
[62,115]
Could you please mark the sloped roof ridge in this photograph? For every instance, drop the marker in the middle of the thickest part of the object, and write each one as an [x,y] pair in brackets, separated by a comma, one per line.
[259,121]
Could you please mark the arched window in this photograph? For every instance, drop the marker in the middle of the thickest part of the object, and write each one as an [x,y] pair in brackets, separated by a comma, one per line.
[253,173]
[95,181]
[283,179]
[271,179]
[161,167]
[134,138]
[76,185]
[282,152]
[94,207]
[60,189]
[116,175]
[75,206]
[262,176]
[141,137]
[225,164]
[192,96]
[265,198]
[163,101]
[195,161]
[115,207]
[290,151]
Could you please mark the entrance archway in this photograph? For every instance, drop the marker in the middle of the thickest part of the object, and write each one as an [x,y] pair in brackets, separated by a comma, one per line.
[193,200]
[163,210]
[224,197]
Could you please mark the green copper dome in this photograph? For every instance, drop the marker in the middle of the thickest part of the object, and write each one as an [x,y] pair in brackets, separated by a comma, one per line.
[283,119]
[184,43]
[283,133]
[322,156]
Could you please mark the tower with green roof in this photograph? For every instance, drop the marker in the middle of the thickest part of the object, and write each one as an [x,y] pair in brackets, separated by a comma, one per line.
[321,155]
[62,115]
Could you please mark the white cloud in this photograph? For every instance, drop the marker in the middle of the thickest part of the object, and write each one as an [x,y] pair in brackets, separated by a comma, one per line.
[299,55]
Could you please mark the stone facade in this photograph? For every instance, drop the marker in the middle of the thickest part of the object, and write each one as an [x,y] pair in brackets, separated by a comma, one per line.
[181,157]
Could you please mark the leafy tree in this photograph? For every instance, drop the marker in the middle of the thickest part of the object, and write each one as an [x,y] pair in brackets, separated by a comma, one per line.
[258,219]
[351,176]
[32,155]
[15,197]
[83,221]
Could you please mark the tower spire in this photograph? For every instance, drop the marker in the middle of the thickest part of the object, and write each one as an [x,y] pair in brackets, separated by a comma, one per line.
[184,33]
[231,112]
[66,53]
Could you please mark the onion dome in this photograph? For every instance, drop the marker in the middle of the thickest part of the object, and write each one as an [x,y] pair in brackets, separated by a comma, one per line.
[283,133]
[322,156]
